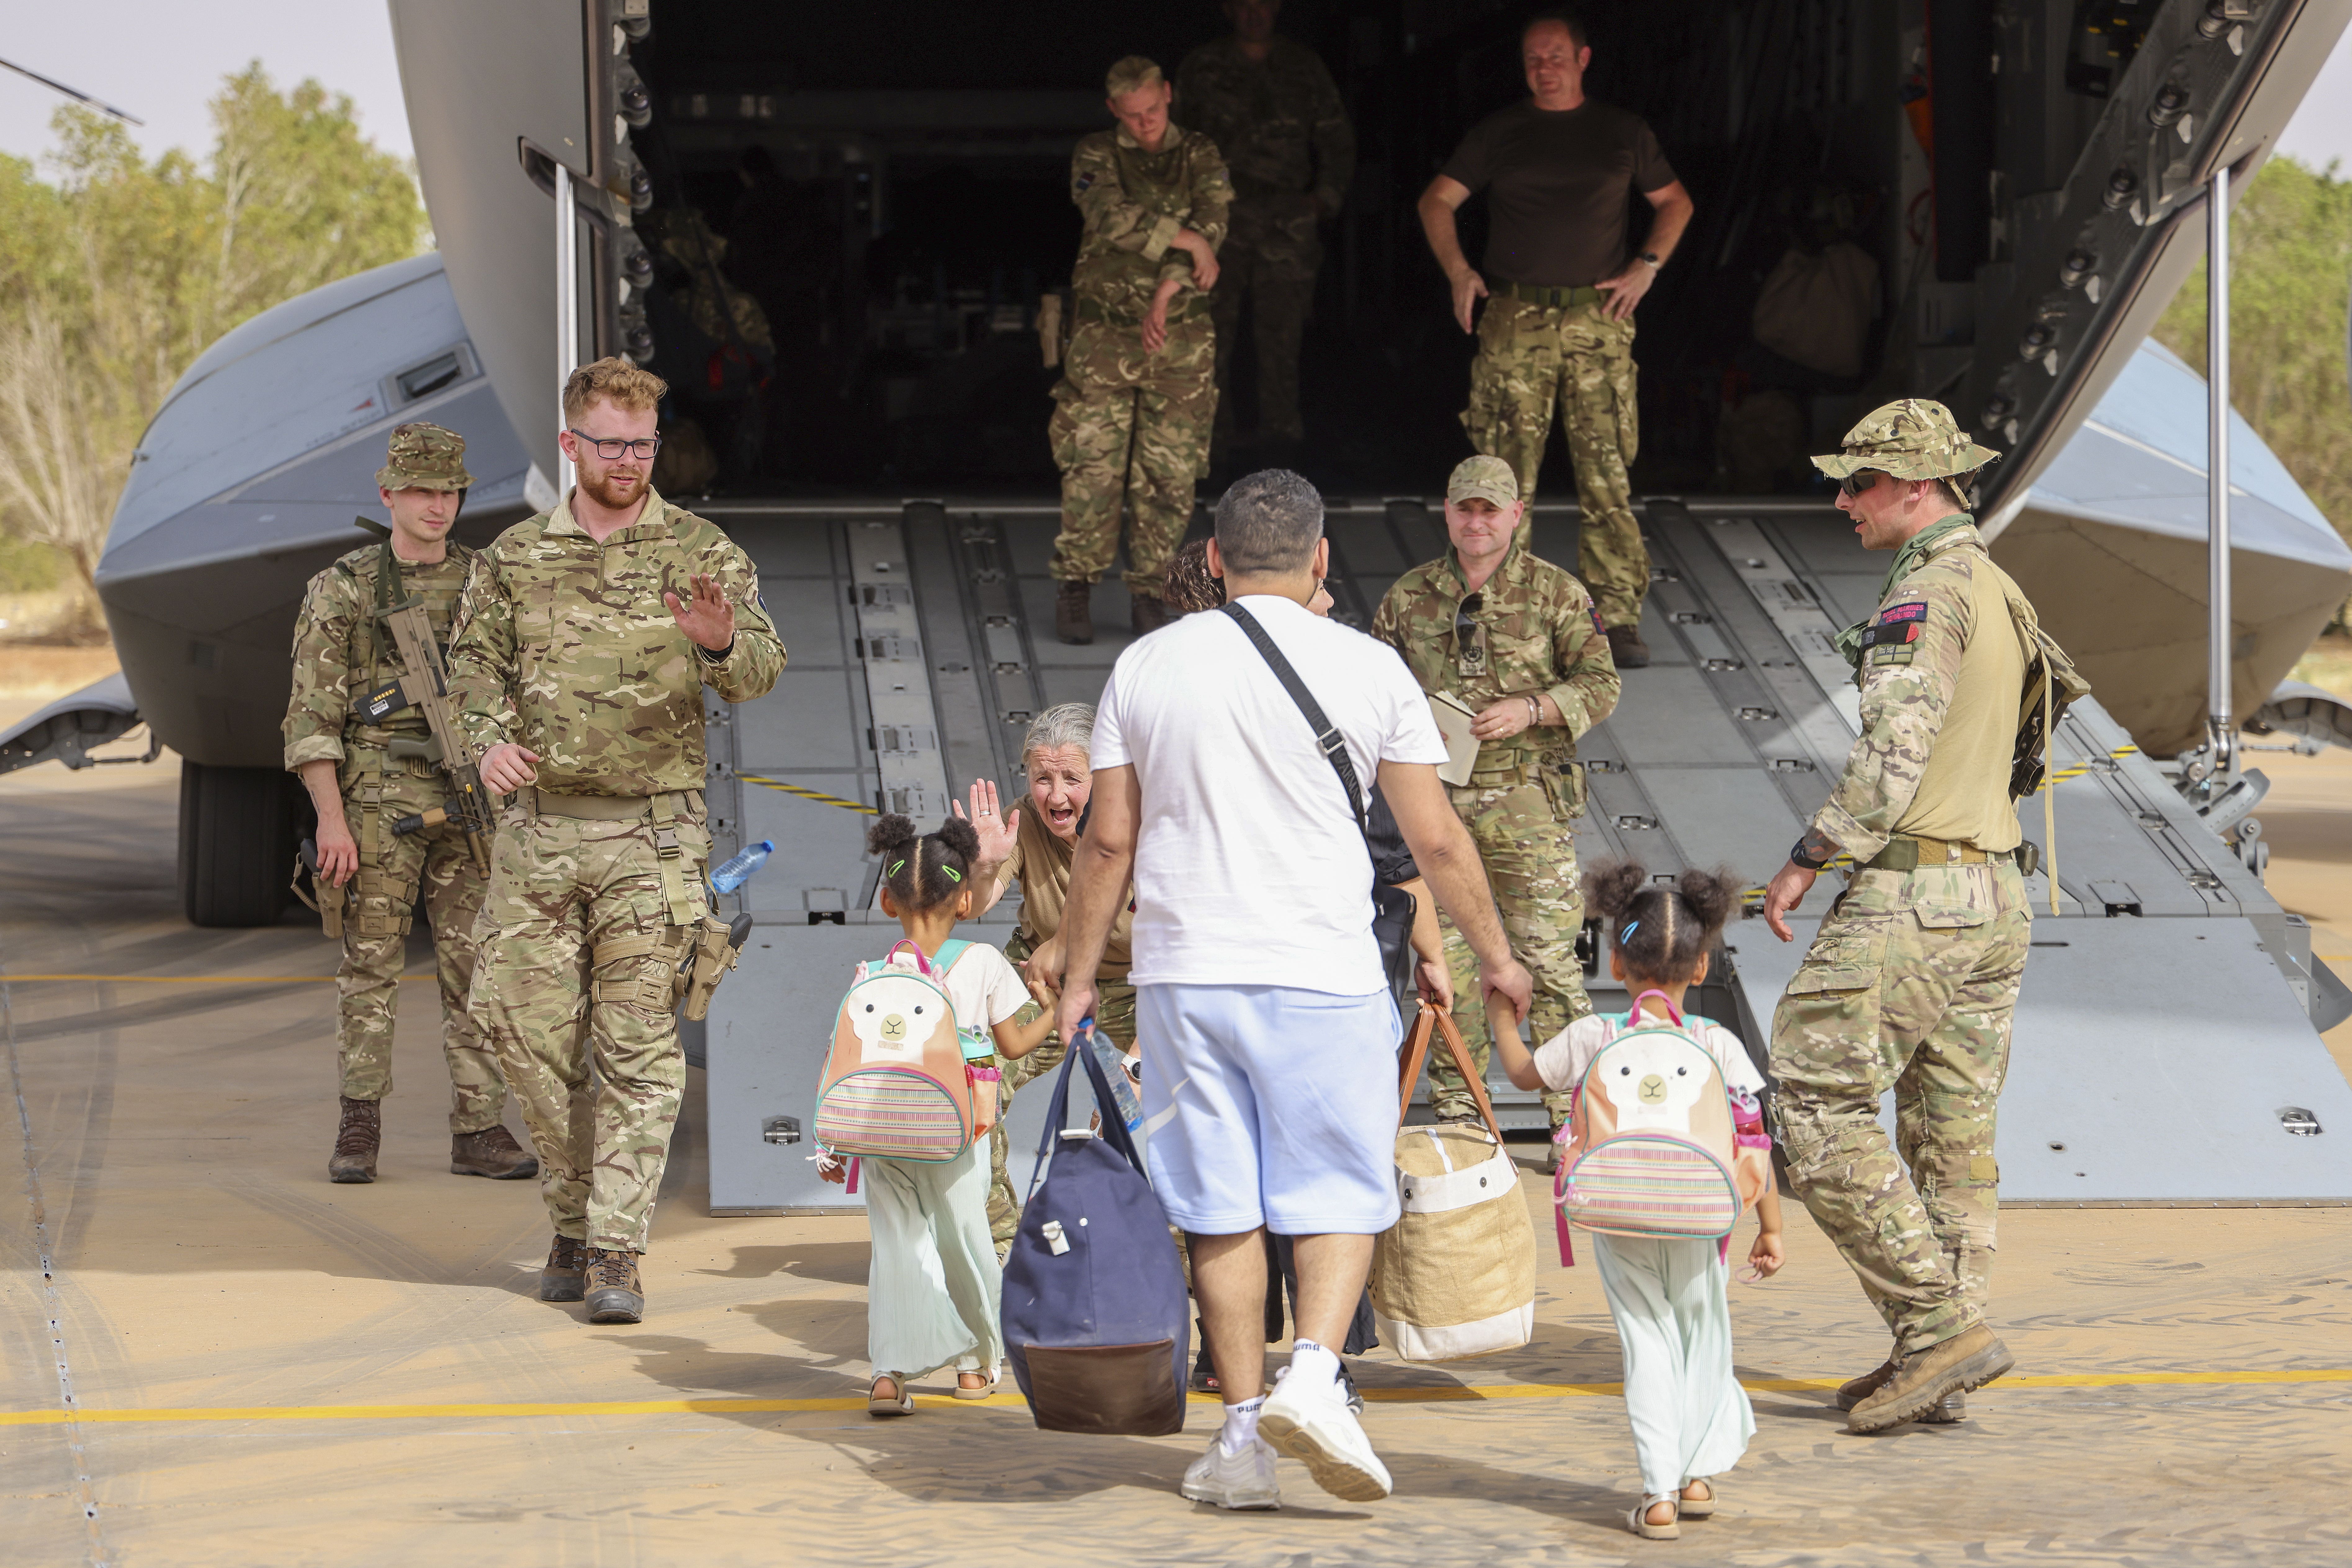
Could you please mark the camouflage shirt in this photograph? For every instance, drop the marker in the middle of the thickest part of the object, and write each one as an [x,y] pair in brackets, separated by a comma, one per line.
[1278,122]
[564,646]
[1942,673]
[1132,204]
[337,655]
[1534,632]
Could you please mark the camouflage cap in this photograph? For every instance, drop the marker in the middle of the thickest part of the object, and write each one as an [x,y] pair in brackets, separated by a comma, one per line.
[1911,438]
[1131,75]
[1488,478]
[424,457]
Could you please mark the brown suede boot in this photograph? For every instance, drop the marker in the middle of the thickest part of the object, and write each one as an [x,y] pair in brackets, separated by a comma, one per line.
[1073,616]
[491,1152]
[1924,1379]
[1146,613]
[357,1138]
[1854,1391]
[615,1294]
[1626,648]
[567,1266]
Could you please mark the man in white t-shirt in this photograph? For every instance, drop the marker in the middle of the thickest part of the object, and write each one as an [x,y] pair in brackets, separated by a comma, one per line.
[1267,1031]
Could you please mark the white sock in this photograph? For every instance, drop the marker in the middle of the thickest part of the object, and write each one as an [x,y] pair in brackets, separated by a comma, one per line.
[1317,1365]
[1241,1424]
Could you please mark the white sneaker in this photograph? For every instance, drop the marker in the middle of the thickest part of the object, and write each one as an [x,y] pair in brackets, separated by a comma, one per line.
[1315,1426]
[1240,1480]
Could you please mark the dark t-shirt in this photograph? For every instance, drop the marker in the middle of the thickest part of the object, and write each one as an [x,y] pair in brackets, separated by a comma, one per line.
[1560,185]
[1391,857]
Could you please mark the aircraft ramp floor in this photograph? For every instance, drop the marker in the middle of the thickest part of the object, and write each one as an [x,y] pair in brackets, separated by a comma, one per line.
[211,1355]
[921,645]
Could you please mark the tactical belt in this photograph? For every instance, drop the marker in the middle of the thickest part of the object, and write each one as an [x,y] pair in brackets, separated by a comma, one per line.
[1907,853]
[664,810]
[1553,298]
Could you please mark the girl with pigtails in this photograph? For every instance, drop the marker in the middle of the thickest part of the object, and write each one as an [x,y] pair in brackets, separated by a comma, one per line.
[1670,1298]
[933,1288]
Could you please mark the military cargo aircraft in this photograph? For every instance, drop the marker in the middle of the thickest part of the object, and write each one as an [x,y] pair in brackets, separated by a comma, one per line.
[834,230]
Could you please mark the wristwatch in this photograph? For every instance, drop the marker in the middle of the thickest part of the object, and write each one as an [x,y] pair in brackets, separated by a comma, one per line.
[1652,258]
[1797,857]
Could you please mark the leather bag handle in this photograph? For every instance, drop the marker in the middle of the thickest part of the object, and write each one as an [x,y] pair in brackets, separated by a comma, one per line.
[1417,1051]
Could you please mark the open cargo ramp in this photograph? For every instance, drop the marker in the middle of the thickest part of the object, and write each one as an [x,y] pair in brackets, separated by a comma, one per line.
[2165,1047]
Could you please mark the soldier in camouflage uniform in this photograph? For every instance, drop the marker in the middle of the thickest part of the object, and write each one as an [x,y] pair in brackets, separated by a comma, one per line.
[1275,113]
[1516,639]
[584,647]
[1131,413]
[1558,169]
[341,649]
[1911,981]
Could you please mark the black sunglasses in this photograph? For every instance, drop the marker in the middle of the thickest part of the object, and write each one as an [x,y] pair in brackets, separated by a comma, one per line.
[1854,484]
[1462,625]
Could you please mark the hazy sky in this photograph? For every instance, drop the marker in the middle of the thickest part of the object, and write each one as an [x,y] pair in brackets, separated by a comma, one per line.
[161,59]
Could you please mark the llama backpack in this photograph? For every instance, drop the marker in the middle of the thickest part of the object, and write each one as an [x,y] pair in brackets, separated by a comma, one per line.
[895,1086]
[1654,1146]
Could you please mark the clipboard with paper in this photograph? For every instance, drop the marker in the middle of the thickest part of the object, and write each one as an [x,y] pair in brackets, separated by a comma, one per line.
[1455,718]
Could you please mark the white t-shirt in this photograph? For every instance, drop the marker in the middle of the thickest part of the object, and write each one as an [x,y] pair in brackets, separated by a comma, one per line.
[1563,1059]
[1249,867]
[983,988]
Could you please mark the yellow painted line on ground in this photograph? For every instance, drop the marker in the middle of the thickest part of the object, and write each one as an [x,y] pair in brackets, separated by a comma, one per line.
[1439,1395]
[189,979]
[807,793]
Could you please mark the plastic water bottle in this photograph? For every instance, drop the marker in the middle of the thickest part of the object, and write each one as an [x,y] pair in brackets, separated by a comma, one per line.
[737,868]
[1114,1066]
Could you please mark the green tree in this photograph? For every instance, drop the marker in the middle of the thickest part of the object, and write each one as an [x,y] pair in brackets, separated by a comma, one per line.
[116,275]
[2290,280]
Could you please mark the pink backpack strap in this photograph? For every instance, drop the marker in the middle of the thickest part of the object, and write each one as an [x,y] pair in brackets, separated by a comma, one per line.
[1634,1014]
[853,1163]
[1560,1196]
[922,964]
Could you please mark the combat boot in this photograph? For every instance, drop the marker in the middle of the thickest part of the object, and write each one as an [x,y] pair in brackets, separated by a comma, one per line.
[357,1138]
[1074,618]
[1854,1391]
[567,1266]
[1626,648]
[1925,1378]
[1146,613]
[491,1152]
[615,1294]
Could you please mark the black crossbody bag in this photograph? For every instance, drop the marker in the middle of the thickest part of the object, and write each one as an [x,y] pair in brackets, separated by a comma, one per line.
[1392,908]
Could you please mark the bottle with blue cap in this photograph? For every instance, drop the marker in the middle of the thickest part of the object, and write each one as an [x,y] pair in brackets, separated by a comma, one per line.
[737,868]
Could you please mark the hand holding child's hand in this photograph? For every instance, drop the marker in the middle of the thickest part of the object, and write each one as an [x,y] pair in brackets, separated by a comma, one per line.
[1766,1257]
[832,1168]
[1043,992]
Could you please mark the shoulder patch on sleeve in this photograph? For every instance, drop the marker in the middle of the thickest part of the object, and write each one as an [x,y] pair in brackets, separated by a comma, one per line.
[1594,611]
[1085,180]
[1915,610]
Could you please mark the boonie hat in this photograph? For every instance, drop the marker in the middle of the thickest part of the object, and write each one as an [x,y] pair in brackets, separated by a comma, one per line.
[1131,75]
[424,457]
[1911,438]
[1488,478]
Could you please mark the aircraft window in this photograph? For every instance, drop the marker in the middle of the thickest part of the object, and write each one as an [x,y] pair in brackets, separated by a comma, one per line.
[429,377]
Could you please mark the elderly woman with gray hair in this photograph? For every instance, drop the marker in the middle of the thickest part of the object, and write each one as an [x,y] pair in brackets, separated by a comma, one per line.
[1035,848]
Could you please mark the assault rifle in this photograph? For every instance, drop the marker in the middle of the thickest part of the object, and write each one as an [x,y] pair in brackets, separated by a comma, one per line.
[426,688]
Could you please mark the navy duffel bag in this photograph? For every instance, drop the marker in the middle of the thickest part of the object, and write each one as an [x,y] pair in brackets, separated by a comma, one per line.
[1095,1322]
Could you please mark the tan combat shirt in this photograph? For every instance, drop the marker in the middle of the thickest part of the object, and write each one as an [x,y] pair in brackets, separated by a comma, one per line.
[563,646]
[337,658]
[1941,684]
[1040,863]
[1532,631]
[1133,204]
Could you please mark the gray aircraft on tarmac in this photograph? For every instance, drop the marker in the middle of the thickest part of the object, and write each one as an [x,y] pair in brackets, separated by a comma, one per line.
[832,231]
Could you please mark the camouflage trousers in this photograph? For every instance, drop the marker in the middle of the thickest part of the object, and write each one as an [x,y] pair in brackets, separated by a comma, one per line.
[1130,434]
[1265,262]
[598,1073]
[1531,358]
[1114,1016]
[1526,842]
[432,869]
[1910,986]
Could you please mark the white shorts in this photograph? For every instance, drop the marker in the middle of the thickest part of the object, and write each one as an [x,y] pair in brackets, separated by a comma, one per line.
[1270,1105]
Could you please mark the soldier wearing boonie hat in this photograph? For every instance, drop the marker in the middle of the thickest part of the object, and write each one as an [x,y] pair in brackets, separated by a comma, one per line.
[1514,639]
[342,650]
[1912,981]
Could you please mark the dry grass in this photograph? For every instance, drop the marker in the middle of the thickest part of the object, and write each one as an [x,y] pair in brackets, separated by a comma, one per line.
[37,670]
[2327,665]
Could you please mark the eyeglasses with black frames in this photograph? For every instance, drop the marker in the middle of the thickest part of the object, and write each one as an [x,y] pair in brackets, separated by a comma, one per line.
[1854,484]
[613,448]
